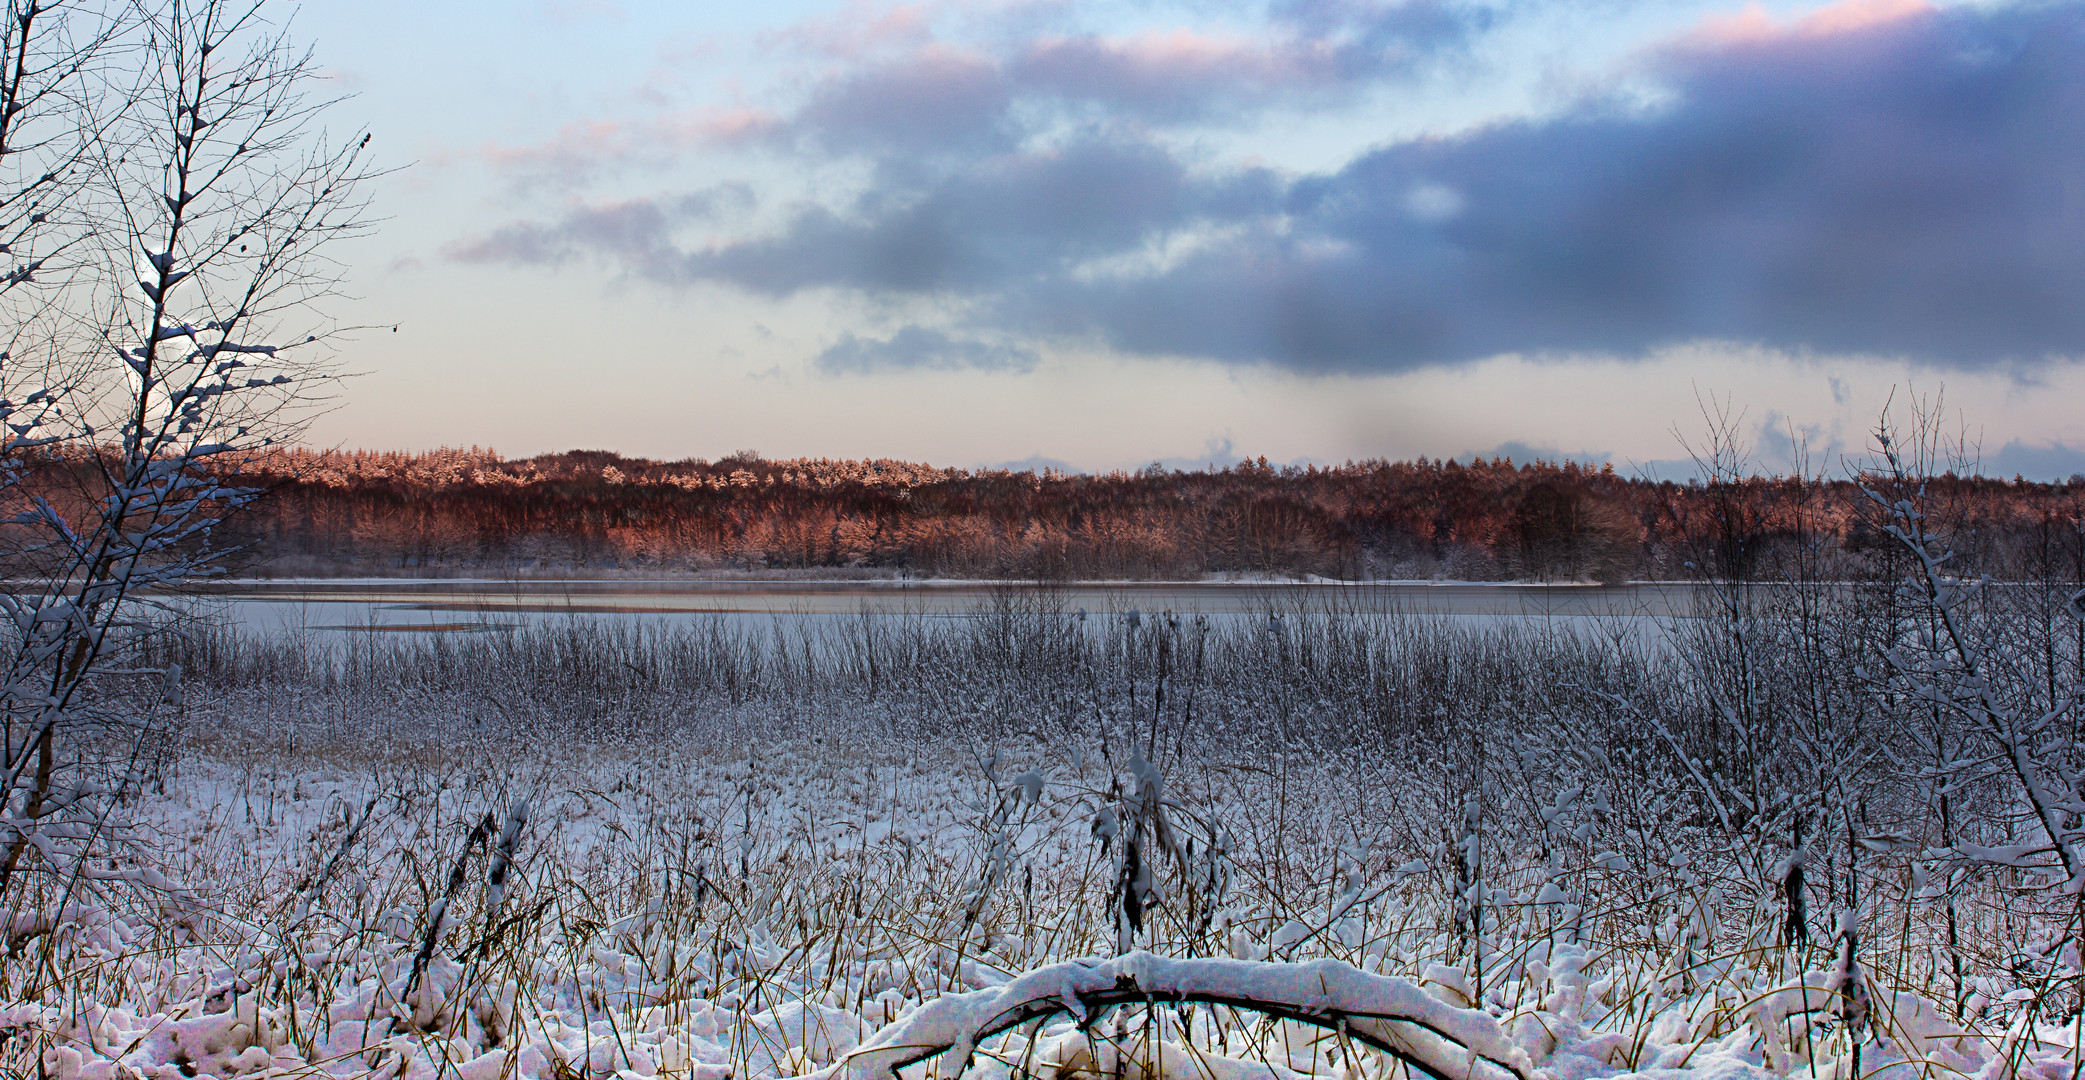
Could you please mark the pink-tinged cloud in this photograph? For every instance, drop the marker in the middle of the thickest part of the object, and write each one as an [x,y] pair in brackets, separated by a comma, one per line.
[714,126]
[575,144]
[1179,65]
[859,31]
[584,147]
[1754,25]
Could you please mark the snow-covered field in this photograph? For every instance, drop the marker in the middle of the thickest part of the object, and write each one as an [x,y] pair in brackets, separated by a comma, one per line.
[1321,845]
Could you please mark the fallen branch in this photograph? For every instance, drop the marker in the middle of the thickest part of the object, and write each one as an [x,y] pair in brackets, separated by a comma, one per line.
[1390,1014]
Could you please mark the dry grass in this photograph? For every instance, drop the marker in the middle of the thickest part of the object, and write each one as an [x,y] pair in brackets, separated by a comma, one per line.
[745,847]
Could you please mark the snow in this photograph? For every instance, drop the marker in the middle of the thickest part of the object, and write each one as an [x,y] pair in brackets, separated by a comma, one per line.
[591,853]
[1391,1013]
[835,954]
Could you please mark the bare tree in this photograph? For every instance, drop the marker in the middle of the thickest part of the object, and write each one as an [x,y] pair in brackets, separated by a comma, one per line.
[1990,708]
[187,332]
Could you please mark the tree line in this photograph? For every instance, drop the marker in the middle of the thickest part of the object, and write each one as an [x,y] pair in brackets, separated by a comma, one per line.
[473,510]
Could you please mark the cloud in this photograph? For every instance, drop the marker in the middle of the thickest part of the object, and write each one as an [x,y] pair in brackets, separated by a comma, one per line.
[1754,24]
[584,149]
[936,98]
[1005,225]
[1312,50]
[2055,461]
[578,147]
[635,234]
[930,95]
[1909,187]
[860,29]
[631,232]
[918,347]
[1013,220]
[889,89]
[1882,179]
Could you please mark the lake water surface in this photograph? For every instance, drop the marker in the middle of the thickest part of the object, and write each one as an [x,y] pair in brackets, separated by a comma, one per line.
[480,606]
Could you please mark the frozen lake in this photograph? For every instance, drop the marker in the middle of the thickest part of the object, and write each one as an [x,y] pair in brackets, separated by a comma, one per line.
[481,606]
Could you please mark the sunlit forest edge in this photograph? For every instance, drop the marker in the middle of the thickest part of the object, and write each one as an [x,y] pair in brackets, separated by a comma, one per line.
[456,511]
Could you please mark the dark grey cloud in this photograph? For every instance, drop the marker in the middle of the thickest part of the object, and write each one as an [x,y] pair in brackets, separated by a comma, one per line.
[1912,187]
[1001,225]
[919,347]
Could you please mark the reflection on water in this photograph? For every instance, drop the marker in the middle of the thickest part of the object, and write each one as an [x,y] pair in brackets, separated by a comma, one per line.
[420,606]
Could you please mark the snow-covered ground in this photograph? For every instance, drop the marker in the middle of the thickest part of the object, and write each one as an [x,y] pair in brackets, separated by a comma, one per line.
[450,873]
[693,911]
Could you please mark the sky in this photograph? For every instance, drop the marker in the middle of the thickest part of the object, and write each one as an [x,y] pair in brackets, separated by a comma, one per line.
[1096,235]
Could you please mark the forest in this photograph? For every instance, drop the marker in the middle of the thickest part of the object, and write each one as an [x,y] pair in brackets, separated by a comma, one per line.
[594,512]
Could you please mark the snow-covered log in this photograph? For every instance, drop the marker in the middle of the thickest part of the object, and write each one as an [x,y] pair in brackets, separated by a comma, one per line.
[1393,1015]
